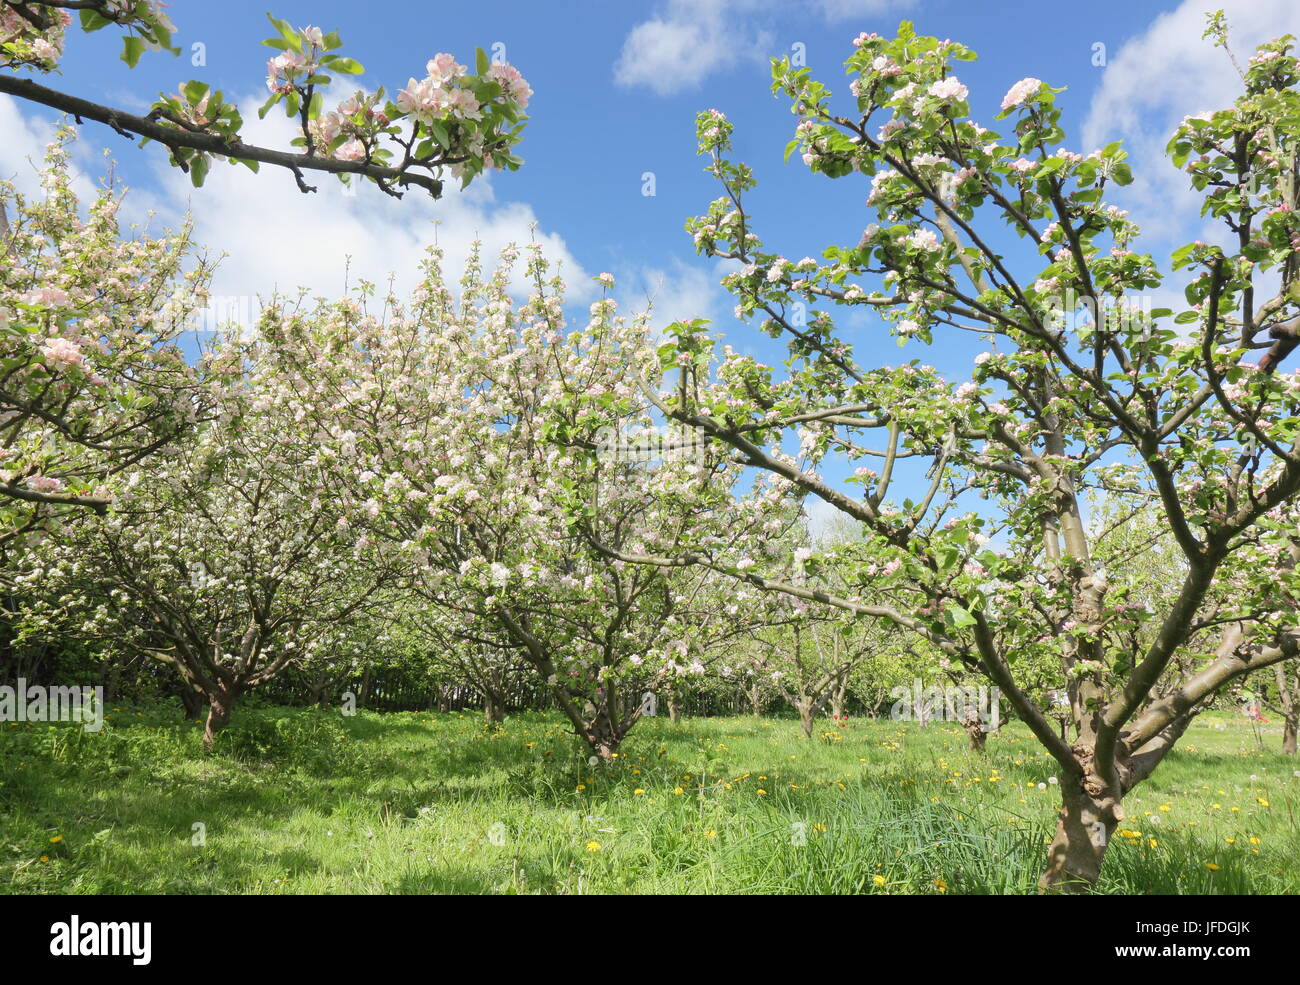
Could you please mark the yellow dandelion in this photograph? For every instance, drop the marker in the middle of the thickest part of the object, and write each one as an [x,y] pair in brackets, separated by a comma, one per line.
[1211,866]
[878,880]
[593,846]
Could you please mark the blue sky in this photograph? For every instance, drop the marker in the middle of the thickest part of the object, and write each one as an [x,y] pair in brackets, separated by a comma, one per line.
[617,87]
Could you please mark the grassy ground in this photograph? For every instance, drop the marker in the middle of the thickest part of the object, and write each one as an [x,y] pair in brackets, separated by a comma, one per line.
[312,802]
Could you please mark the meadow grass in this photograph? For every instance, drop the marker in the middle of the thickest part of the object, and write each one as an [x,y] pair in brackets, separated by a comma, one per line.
[304,801]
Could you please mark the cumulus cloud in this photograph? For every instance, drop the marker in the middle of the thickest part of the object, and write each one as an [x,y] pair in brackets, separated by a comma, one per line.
[1162,75]
[22,152]
[690,40]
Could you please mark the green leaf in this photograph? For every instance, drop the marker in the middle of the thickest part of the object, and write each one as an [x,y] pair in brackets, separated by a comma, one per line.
[348,66]
[440,133]
[960,617]
[266,106]
[199,169]
[287,32]
[481,61]
[93,20]
[132,49]
[195,91]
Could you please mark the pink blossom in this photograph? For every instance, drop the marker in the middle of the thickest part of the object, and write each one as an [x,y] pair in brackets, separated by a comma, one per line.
[50,297]
[63,353]
[463,103]
[949,88]
[514,85]
[443,67]
[43,484]
[1021,91]
[924,239]
[353,150]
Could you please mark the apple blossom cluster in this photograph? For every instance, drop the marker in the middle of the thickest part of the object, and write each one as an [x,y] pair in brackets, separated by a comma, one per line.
[33,43]
[463,121]
[33,34]
[90,324]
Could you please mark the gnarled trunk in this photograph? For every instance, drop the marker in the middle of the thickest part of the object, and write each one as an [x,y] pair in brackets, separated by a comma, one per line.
[220,704]
[974,726]
[674,708]
[1083,832]
[1289,735]
[494,711]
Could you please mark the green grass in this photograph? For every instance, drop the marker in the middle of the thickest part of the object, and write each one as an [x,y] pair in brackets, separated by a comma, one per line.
[311,802]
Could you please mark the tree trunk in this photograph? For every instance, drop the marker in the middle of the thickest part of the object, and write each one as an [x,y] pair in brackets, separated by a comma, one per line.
[600,740]
[674,708]
[220,705]
[1290,707]
[837,703]
[755,700]
[1083,831]
[193,701]
[807,716]
[974,726]
[363,692]
[493,710]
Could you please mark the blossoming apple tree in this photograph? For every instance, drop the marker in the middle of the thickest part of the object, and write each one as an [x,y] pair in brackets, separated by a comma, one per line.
[969,490]
[452,119]
[464,436]
[224,557]
[92,376]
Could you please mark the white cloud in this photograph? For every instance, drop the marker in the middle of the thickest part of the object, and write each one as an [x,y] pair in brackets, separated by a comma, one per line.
[679,293]
[22,152]
[826,524]
[1156,79]
[692,39]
